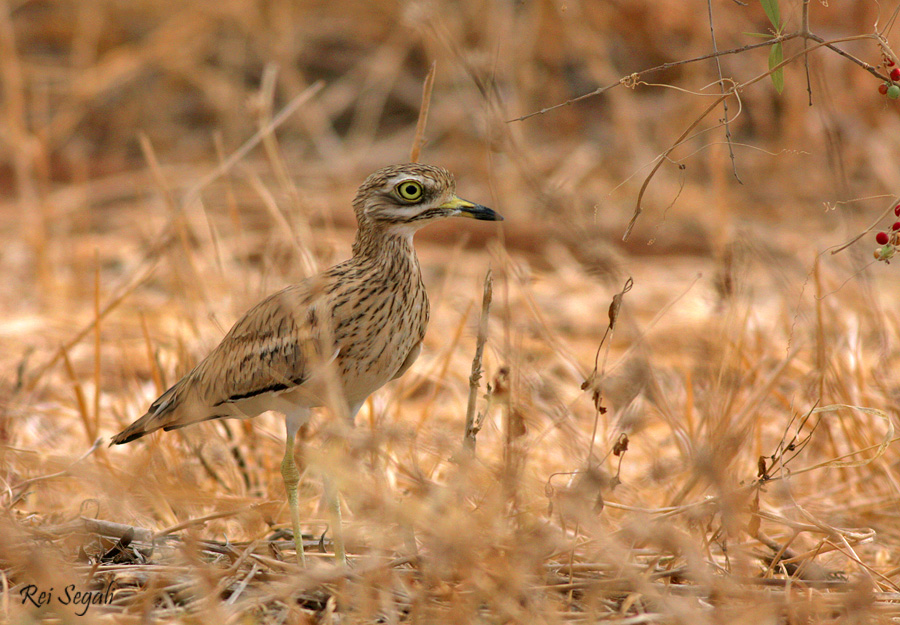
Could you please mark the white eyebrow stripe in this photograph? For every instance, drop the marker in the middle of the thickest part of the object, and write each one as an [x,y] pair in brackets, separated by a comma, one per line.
[395,180]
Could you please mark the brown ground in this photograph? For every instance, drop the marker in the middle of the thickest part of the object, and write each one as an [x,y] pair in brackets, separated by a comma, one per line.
[740,320]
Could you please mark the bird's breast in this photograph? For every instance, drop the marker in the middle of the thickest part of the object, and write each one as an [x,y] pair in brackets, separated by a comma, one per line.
[375,330]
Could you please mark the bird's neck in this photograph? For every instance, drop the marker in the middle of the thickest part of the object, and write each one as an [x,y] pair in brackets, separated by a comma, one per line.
[377,245]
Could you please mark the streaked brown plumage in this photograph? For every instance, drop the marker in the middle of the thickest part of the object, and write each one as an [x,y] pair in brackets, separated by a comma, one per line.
[361,321]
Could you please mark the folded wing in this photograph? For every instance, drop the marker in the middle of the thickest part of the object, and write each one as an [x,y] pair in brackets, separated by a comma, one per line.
[272,349]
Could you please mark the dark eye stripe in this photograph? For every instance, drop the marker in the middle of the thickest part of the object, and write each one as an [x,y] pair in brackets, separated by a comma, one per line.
[426,214]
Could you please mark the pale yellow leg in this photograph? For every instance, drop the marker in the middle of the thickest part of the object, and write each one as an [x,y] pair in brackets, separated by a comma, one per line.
[291,481]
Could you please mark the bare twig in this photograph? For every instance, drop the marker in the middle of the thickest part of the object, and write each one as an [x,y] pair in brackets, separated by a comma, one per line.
[804,29]
[712,34]
[888,24]
[632,78]
[736,88]
[475,377]
[116,530]
[592,383]
[874,225]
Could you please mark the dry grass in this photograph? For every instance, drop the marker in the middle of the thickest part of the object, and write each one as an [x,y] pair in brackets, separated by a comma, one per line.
[125,260]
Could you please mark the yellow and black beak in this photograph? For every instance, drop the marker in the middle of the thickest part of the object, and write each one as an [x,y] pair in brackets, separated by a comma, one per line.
[465,208]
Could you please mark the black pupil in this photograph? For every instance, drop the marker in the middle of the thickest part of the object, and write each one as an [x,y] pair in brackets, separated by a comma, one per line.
[410,189]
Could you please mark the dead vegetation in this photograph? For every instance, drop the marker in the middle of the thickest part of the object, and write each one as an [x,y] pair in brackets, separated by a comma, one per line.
[702,475]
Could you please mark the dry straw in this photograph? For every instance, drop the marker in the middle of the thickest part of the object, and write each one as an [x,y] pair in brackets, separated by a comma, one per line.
[165,165]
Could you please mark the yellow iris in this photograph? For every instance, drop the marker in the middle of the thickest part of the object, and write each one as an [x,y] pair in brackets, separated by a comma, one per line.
[409,190]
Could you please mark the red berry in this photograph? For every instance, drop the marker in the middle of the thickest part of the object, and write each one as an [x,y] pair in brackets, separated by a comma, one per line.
[896,226]
[895,74]
[882,238]
[888,62]
[882,88]
[897,210]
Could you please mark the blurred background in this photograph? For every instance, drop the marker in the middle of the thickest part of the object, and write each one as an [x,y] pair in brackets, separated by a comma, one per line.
[134,230]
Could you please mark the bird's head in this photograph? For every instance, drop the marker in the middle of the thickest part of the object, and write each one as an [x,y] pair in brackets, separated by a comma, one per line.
[403,198]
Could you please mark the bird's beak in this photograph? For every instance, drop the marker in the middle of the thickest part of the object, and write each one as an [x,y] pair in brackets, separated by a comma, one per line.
[465,208]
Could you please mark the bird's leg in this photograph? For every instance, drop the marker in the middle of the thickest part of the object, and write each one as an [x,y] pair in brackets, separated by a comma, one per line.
[291,481]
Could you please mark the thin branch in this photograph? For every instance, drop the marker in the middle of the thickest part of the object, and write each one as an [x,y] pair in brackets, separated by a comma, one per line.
[804,28]
[475,377]
[712,34]
[874,225]
[633,78]
[737,87]
[592,383]
[848,56]
[114,530]
[639,208]
[884,32]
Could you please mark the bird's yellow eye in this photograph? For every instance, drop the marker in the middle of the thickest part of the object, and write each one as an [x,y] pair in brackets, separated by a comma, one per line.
[409,190]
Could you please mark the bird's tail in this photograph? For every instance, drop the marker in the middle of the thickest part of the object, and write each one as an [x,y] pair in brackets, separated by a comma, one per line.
[170,411]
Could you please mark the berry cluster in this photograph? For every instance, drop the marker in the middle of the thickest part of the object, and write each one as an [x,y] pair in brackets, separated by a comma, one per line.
[891,89]
[888,241]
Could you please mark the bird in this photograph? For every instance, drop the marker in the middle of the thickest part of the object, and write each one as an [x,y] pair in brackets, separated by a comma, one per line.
[342,333]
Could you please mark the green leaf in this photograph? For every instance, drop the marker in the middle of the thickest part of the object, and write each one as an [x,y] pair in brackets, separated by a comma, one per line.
[774,15]
[776,56]
[760,35]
